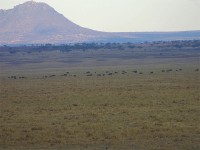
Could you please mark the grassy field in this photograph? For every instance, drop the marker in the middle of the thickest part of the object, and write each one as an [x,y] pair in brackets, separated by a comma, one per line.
[121,111]
[99,108]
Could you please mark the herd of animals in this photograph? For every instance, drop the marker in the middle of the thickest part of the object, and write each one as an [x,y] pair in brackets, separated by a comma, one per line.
[106,73]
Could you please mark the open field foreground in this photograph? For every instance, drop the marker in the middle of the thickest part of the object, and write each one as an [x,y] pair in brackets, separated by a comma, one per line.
[148,111]
[154,105]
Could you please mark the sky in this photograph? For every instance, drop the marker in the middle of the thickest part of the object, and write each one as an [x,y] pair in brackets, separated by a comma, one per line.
[126,15]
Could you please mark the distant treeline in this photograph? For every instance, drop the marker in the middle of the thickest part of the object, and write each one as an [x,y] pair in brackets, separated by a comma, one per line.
[95,46]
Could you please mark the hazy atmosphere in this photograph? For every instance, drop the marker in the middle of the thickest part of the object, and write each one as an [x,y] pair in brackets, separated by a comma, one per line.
[64,84]
[126,15]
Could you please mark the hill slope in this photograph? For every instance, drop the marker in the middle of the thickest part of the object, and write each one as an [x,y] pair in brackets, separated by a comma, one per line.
[34,22]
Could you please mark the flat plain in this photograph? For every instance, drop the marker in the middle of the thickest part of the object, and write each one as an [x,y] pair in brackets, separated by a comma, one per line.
[144,98]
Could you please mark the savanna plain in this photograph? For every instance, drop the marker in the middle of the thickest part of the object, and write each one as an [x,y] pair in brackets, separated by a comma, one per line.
[127,96]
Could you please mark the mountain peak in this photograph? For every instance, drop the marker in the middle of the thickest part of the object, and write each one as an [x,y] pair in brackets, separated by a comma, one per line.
[36,22]
[28,3]
[33,4]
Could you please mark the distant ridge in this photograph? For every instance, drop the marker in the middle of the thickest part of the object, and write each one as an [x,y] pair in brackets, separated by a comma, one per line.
[33,22]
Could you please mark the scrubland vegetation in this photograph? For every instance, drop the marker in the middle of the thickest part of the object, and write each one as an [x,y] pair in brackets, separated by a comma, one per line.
[142,98]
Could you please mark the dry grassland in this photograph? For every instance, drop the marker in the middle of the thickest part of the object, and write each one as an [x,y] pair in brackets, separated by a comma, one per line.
[148,111]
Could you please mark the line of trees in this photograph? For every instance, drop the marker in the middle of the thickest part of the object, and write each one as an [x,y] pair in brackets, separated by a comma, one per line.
[95,46]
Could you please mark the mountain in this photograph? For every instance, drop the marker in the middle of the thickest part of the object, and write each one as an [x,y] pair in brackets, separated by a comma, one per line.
[33,22]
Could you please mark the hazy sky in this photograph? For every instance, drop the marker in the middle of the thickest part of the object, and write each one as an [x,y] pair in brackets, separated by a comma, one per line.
[126,15]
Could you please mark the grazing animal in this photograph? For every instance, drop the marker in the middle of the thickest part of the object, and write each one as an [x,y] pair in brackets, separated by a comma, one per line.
[52,75]
[169,70]
[135,71]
